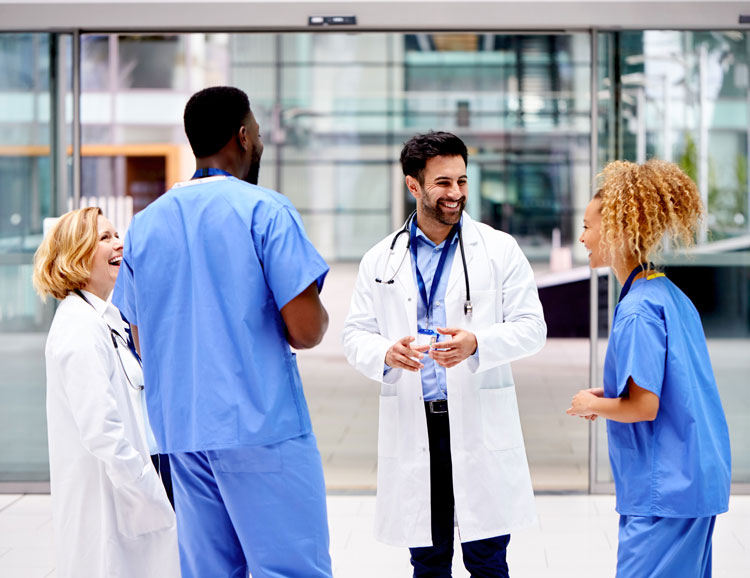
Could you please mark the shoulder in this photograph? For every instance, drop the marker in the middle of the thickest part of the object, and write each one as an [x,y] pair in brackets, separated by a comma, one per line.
[647,301]
[495,238]
[75,326]
[384,245]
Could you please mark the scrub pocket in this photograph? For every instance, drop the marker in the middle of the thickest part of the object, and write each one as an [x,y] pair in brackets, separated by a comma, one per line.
[250,460]
[620,435]
[501,426]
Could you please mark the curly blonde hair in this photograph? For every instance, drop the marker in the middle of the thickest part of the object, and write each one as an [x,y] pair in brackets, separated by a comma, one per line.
[62,263]
[640,203]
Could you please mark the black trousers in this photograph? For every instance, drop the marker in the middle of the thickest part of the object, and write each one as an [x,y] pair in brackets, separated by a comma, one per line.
[482,558]
[161,463]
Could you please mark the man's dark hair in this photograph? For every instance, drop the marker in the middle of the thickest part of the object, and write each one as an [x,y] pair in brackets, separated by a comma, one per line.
[213,117]
[422,147]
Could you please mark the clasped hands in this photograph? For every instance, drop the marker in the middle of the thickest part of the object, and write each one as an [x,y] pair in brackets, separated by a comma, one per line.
[580,405]
[404,355]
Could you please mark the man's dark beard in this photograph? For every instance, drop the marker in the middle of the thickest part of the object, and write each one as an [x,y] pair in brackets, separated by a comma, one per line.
[437,214]
[254,173]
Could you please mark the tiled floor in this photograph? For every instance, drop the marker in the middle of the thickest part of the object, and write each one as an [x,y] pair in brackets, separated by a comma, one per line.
[576,537]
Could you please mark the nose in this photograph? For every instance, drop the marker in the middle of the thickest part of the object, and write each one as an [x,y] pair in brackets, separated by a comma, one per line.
[580,239]
[455,192]
[118,244]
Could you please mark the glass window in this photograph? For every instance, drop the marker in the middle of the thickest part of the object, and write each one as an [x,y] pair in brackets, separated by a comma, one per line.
[25,200]
[684,96]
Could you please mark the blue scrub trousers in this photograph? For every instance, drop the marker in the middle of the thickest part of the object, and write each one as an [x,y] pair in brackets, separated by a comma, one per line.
[482,558]
[652,547]
[259,509]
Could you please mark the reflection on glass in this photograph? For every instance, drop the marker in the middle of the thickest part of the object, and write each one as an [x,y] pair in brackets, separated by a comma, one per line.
[685,97]
[25,200]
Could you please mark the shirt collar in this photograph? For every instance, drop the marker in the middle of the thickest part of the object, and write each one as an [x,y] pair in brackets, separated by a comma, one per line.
[99,305]
[425,239]
[107,311]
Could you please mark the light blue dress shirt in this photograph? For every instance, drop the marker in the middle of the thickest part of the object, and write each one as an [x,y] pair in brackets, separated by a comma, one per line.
[206,269]
[428,254]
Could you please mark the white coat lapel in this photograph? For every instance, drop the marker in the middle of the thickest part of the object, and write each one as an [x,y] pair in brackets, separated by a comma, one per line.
[470,235]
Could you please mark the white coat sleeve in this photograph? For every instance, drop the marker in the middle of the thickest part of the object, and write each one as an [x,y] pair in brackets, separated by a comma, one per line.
[140,500]
[364,346]
[519,329]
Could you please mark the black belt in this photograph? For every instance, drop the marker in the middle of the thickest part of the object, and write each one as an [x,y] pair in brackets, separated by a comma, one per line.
[437,406]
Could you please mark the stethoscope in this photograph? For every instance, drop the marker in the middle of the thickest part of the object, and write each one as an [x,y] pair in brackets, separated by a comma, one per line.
[468,308]
[114,335]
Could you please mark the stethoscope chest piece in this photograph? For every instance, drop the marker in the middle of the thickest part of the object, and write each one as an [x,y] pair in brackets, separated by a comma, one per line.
[468,308]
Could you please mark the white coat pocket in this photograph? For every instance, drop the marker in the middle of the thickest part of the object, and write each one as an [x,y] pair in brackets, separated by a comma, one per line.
[142,507]
[501,425]
[388,426]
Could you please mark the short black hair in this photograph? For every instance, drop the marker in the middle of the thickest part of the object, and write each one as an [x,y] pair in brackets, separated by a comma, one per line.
[213,116]
[422,147]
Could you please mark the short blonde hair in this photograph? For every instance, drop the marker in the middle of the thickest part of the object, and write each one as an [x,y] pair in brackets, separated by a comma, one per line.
[640,203]
[62,263]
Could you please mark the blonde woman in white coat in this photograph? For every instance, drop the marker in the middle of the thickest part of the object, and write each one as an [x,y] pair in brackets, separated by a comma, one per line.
[111,514]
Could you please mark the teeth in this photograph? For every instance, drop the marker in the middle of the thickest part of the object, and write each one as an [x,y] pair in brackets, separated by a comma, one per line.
[115,261]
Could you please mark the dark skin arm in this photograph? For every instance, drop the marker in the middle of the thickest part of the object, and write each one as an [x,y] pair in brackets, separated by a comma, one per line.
[134,333]
[305,318]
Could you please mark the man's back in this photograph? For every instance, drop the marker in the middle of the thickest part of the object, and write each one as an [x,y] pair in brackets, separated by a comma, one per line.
[209,266]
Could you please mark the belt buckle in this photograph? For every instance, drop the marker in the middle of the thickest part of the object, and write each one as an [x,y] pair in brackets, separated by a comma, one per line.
[438,406]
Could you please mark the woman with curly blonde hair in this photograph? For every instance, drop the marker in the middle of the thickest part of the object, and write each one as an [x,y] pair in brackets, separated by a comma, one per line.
[110,511]
[668,437]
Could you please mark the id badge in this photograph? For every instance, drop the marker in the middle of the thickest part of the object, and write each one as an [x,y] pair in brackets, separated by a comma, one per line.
[427,337]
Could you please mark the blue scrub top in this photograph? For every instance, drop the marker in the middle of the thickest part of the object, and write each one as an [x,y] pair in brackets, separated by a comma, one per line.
[679,465]
[206,269]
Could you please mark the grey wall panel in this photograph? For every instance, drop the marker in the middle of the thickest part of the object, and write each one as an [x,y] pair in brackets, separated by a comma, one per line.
[164,15]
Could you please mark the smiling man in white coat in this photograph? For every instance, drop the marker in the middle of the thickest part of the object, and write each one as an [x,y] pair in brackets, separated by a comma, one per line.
[440,309]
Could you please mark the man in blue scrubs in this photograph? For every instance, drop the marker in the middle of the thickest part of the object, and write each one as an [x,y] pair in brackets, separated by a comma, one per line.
[218,280]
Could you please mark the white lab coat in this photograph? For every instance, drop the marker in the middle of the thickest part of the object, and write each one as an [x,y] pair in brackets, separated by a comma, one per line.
[491,481]
[110,512]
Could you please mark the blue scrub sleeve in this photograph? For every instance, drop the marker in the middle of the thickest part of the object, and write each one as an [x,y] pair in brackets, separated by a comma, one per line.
[290,262]
[640,352]
[123,296]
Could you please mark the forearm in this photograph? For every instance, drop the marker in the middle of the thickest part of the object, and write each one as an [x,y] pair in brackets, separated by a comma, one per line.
[505,342]
[622,409]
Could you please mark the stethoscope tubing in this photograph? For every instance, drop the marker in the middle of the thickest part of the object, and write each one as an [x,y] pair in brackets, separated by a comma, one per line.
[468,308]
[113,334]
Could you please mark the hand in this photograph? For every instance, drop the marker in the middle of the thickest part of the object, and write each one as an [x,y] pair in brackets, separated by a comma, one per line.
[401,355]
[581,404]
[454,351]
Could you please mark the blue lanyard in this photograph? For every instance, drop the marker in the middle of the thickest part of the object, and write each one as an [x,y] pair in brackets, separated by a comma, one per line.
[626,288]
[209,172]
[131,343]
[438,271]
